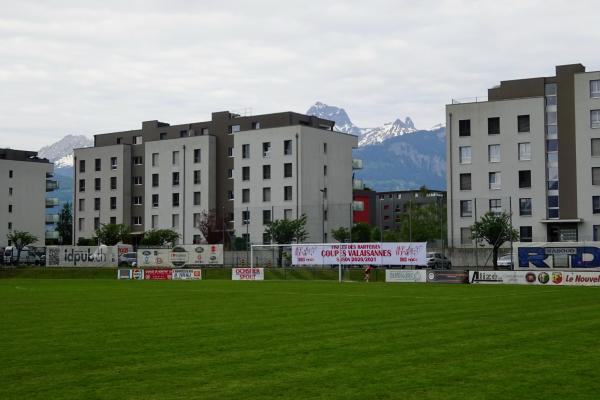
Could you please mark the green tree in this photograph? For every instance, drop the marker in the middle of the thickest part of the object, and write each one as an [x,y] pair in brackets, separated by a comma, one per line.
[495,229]
[286,231]
[111,234]
[87,242]
[341,234]
[64,226]
[20,239]
[376,235]
[423,223]
[211,226]
[361,233]
[159,237]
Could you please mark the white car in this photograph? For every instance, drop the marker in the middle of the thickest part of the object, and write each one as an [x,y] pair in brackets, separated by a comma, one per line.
[505,261]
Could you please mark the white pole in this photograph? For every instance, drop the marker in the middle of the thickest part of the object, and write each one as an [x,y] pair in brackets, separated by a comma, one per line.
[251,261]
[339,263]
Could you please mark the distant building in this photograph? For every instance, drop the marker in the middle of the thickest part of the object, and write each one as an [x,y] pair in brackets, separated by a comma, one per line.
[24,182]
[365,206]
[392,207]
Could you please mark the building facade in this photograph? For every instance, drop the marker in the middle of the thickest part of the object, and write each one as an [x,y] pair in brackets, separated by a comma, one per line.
[25,180]
[164,176]
[392,208]
[532,149]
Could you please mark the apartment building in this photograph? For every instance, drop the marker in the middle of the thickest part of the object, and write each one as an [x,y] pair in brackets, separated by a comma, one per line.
[24,182]
[532,149]
[163,176]
[392,207]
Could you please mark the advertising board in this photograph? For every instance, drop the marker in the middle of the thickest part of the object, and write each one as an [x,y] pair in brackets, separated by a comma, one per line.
[158,274]
[247,274]
[82,256]
[187,274]
[124,274]
[532,277]
[529,255]
[137,274]
[405,276]
[360,254]
[180,256]
[447,276]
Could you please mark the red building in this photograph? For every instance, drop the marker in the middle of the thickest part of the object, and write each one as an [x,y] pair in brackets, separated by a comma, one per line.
[364,206]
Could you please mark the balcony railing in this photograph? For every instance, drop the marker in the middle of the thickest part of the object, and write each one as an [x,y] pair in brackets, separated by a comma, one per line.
[51,218]
[357,163]
[51,235]
[51,185]
[51,202]
[357,184]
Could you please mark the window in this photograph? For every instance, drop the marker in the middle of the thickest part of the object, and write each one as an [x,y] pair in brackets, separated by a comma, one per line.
[465,181]
[595,233]
[98,164]
[287,213]
[80,224]
[113,163]
[204,131]
[155,200]
[197,220]
[287,170]
[494,180]
[137,140]
[245,217]
[266,172]
[113,183]
[10,191]
[496,205]
[523,123]
[552,145]
[595,147]
[96,223]
[82,185]
[525,234]
[234,128]
[113,220]
[138,160]
[175,178]
[466,208]
[324,148]
[229,173]
[230,151]
[287,193]
[266,146]
[137,200]
[197,239]
[183,133]
[97,184]
[155,159]
[10,208]
[524,179]
[154,223]
[230,195]
[175,221]
[81,204]
[464,154]
[595,118]
[245,173]
[245,151]
[525,207]
[138,180]
[595,176]
[267,194]
[596,204]
[494,153]
[595,88]
[197,177]
[245,195]
[324,170]
[287,147]
[266,217]
[256,125]
[175,158]
[464,127]
[119,140]
[154,180]
[81,166]
[197,155]
[162,136]
[97,204]
[525,151]
[197,198]
[175,199]
[465,235]
[494,126]
[113,203]
[553,210]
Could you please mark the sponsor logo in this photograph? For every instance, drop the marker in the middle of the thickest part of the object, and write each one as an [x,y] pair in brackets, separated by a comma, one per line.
[543,277]
[485,276]
[199,249]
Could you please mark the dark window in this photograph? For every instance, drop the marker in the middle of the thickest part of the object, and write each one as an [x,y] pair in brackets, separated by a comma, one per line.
[287,193]
[523,123]
[465,181]
[175,178]
[496,205]
[197,198]
[464,127]
[197,177]
[245,217]
[155,202]
[113,163]
[256,125]
[175,199]
[82,185]
[552,201]
[245,151]
[10,173]
[119,140]
[287,170]
[245,195]
[595,175]
[466,208]
[266,172]
[113,203]
[494,126]
[163,136]
[97,184]
[525,234]
[324,170]
[287,147]
[196,156]
[245,173]
[113,220]
[183,133]
[10,208]
[596,204]
[524,179]
[266,149]
[113,182]
[81,165]
[525,207]
[98,164]
[266,217]
[154,180]
[97,204]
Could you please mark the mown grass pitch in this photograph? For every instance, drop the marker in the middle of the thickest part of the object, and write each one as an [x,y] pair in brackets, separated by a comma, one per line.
[108,339]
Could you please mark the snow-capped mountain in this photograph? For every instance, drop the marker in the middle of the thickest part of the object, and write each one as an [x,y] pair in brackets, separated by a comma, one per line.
[388,130]
[61,152]
[336,114]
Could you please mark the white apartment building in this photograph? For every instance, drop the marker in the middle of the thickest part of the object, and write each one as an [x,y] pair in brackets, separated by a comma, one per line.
[531,149]
[24,182]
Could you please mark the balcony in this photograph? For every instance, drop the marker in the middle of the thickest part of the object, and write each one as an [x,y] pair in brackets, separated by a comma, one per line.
[51,218]
[357,163]
[51,202]
[51,235]
[357,184]
[51,185]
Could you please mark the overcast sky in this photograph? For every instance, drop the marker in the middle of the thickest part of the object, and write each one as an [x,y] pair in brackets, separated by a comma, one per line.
[78,68]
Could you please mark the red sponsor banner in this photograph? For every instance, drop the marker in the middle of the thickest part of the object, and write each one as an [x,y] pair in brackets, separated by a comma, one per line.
[158,274]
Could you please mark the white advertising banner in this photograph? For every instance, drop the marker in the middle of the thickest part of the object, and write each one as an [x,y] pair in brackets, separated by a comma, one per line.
[82,256]
[406,276]
[179,256]
[247,274]
[124,274]
[360,254]
[186,274]
[546,255]
[547,278]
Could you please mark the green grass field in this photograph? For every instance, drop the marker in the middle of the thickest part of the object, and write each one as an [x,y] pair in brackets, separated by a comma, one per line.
[109,339]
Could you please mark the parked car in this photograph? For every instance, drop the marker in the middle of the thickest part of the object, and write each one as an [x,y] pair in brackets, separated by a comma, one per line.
[505,261]
[128,260]
[438,261]
[29,255]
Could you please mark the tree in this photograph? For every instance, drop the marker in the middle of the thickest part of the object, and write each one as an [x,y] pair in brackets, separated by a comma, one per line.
[20,239]
[211,226]
[423,223]
[111,234]
[81,241]
[361,233]
[64,226]
[159,237]
[495,229]
[341,234]
[286,231]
